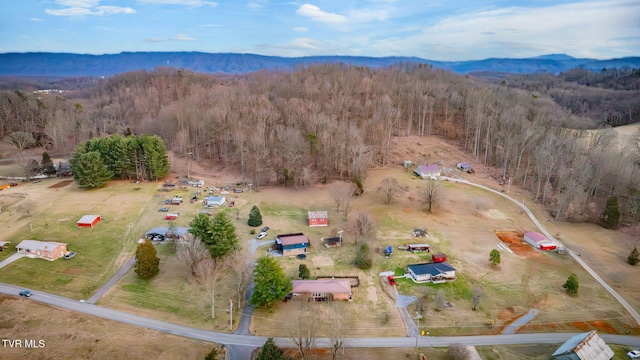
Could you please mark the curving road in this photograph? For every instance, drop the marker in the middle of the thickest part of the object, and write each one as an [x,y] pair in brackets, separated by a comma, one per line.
[579,260]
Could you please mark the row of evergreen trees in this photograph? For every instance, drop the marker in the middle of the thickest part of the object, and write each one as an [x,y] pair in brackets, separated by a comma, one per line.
[133,157]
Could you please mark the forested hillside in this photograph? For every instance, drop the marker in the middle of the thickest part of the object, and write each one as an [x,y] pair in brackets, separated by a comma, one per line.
[331,121]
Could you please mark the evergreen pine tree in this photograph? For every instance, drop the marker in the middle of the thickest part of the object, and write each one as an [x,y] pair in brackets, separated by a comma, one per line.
[269,351]
[611,215]
[223,234]
[88,169]
[303,272]
[47,165]
[147,261]
[255,217]
[271,283]
[571,285]
[363,258]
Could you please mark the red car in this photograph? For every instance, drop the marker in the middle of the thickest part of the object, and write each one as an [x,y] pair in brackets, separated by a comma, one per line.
[392,281]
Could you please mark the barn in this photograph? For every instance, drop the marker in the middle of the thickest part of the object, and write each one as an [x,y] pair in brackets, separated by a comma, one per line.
[88,220]
[586,346]
[539,241]
[318,218]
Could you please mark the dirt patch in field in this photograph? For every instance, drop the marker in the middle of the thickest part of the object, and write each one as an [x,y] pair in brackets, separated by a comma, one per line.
[60,184]
[515,241]
[72,271]
[601,325]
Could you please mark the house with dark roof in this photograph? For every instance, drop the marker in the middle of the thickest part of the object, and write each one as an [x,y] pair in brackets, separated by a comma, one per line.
[433,272]
[322,290]
[429,171]
[292,244]
[586,346]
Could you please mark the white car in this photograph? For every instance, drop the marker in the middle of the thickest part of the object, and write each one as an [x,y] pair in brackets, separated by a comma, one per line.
[261,235]
[633,354]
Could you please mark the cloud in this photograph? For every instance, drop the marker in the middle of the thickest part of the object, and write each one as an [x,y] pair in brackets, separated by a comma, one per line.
[177,37]
[576,28]
[182,37]
[316,14]
[36,19]
[87,7]
[189,3]
[302,47]
[300,29]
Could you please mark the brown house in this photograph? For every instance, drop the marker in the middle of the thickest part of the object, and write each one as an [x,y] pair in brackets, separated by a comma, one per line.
[47,250]
[322,290]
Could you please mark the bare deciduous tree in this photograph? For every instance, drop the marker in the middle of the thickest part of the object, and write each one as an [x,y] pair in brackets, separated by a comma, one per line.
[390,187]
[302,332]
[336,330]
[476,295]
[240,263]
[190,253]
[28,208]
[458,351]
[208,272]
[431,194]
[361,226]
[342,192]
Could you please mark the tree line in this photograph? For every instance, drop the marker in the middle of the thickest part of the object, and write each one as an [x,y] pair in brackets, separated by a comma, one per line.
[334,121]
[98,160]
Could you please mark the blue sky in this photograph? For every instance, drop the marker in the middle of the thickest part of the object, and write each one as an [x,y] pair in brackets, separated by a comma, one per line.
[430,29]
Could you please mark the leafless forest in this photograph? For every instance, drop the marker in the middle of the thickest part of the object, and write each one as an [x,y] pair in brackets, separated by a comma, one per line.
[326,122]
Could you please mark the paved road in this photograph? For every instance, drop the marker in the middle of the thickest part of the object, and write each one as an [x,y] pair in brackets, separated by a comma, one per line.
[579,260]
[94,298]
[11,259]
[257,341]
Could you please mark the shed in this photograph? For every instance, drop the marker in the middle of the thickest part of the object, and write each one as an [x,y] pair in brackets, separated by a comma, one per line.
[418,247]
[4,245]
[318,218]
[211,201]
[292,244]
[332,242]
[48,250]
[438,258]
[434,272]
[586,346]
[88,220]
[322,290]
[431,171]
[539,241]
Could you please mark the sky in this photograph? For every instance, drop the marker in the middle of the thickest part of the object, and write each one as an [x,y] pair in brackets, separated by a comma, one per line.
[447,30]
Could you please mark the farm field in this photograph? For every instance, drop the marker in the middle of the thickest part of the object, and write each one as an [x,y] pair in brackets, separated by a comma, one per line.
[463,225]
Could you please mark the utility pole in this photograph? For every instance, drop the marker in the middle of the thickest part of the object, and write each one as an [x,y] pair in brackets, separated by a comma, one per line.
[230,314]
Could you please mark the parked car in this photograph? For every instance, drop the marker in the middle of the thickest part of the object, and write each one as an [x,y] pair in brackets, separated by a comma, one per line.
[163,209]
[633,354]
[265,229]
[26,293]
[70,255]
[392,281]
[262,235]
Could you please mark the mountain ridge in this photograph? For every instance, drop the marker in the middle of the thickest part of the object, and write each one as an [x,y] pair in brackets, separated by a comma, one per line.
[71,64]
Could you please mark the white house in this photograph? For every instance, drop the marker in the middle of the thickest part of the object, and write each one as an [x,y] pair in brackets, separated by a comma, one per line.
[430,171]
[214,201]
[434,272]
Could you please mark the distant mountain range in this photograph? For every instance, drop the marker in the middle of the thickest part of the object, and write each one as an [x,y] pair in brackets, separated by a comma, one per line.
[71,65]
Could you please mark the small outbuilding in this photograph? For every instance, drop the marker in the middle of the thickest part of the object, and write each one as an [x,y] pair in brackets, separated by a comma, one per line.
[429,171]
[463,166]
[322,290]
[88,220]
[48,250]
[4,245]
[214,201]
[433,272]
[332,242]
[318,218]
[418,247]
[539,241]
[586,346]
[292,244]
[162,233]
